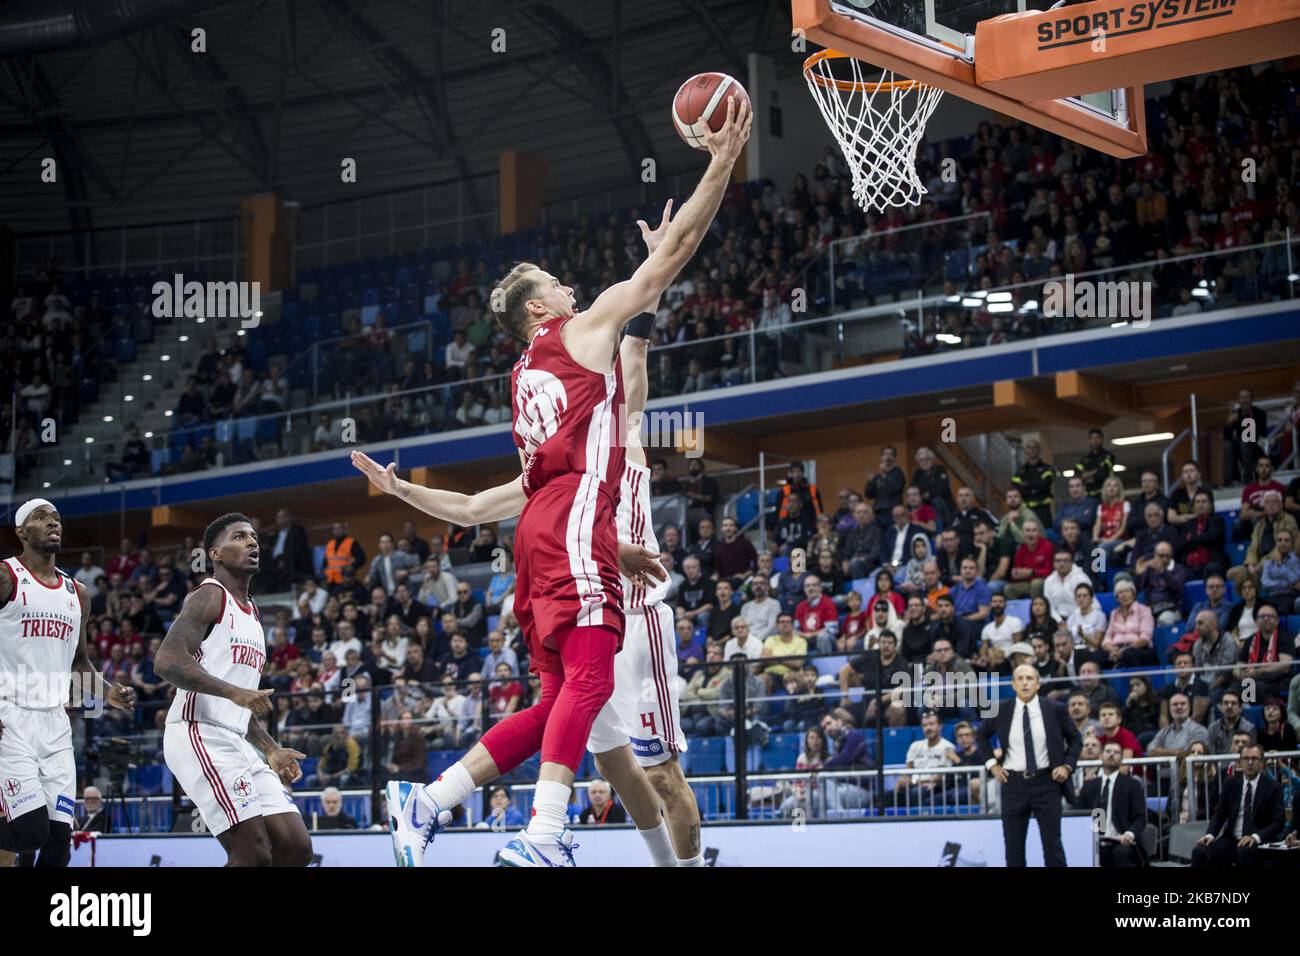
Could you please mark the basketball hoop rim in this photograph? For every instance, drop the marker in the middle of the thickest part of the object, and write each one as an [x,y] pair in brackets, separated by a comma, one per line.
[850,86]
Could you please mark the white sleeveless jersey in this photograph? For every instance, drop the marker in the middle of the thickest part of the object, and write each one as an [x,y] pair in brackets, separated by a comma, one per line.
[40,627]
[636,526]
[234,651]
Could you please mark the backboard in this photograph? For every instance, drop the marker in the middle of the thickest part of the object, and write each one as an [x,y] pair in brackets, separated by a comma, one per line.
[933,41]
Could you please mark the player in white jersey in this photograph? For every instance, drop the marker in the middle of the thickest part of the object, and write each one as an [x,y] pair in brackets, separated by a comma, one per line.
[637,735]
[43,617]
[229,766]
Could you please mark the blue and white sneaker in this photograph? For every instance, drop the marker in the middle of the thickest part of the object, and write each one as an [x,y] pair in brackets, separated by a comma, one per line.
[411,834]
[525,850]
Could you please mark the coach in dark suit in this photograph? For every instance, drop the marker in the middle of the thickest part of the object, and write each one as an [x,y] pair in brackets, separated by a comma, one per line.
[1123,802]
[1250,811]
[1031,748]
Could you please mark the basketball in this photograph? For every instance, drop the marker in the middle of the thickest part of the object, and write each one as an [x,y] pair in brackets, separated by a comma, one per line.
[702,103]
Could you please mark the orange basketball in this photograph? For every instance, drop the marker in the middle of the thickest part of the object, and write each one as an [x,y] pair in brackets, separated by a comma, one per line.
[702,103]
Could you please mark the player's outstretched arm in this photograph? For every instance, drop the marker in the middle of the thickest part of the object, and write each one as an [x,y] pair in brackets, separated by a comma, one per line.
[177,663]
[493,504]
[117,695]
[623,300]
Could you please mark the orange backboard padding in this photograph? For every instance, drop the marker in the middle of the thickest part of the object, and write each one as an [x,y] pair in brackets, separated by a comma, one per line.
[916,61]
[1050,54]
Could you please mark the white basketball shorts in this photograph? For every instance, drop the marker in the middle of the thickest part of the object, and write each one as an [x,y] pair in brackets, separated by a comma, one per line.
[643,710]
[37,768]
[223,775]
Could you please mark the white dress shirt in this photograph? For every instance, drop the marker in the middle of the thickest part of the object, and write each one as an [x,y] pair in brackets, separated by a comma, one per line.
[1111,830]
[1014,757]
[1239,828]
[1059,591]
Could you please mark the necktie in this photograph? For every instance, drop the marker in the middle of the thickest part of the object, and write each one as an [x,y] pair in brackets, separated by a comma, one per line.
[1105,798]
[1248,811]
[1031,762]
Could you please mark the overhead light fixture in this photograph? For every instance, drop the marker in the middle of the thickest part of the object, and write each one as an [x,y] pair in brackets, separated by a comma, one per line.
[128,398]
[200,320]
[1142,439]
[952,298]
[1120,468]
[67,461]
[1119,325]
[947,338]
[46,485]
[148,434]
[185,338]
[90,440]
[999,296]
[148,377]
[972,303]
[1068,473]
[164,358]
[1293,277]
[168,413]
[1030,306]
[108,418]
[997,307]
[241,332]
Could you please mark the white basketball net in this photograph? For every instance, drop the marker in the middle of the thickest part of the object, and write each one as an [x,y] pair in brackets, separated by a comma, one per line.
[878,124]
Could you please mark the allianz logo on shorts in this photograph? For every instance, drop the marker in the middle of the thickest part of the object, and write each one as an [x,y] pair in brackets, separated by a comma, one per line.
[77,909]
[646,748]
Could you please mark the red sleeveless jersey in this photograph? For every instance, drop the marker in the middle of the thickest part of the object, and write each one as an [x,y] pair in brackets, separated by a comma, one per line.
[565,415]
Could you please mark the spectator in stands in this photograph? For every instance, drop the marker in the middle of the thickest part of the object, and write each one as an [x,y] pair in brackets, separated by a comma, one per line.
[1175,738]
[504,693]
[1201,541]
[1229,724]
[1161,586]
[1109,529]
[390,567]
[437,585]
[1281,573]
[1092,687]
[1276,734]
[965,520]
[756,692]
[1129,634]
[913,577]
[920,513]
[1036,480]
[845,793]
[997,636]
[931,752]
[469,615]
[700,712]
[885,487]
[88,573]
[949,557]
[460,660]
[1109,714]
[742,641]
[701,493]
[817,618]
[1078,507]
[935,486]
[341,551]
[1215,601]
[1061,586]
[1012,524]
[1148,492]
[1142,546]
[1142,707]
[340,760]
[797,485]
[1247,425]
[1078,707]
[602,808]
[498,653]
[794,529]
[332,816]
[734,556]
[1121,799]
[1186,681]
[861,544]
[1097,465]
[947,677]
[1266,657]
[1263,539]
[971,596]
[1252,497]
[807,795]
[1032,562]
[1180,509]
[418,669]
[690,651]
[696,598]
[897,547]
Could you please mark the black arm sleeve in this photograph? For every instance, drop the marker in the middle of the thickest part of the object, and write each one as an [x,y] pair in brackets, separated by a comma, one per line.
[642,326]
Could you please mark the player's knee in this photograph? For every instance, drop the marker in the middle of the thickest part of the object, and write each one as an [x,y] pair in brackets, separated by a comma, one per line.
[294,851]
[251,856]
[31,831]
[56,852]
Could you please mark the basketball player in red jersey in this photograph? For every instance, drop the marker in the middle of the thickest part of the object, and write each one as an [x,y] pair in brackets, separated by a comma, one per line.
[567,398]
[227,763]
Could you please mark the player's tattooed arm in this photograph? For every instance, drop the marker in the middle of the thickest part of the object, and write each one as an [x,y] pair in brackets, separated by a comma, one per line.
[117,695]
[283,760]
[177,660]
[494,504]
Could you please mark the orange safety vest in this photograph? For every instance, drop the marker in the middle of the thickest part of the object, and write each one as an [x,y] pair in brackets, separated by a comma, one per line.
[337,557]
[812,493]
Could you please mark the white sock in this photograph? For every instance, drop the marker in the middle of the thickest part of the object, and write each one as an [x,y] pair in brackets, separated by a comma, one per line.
[449,790]
[660,844]
[697,860]
[550,809]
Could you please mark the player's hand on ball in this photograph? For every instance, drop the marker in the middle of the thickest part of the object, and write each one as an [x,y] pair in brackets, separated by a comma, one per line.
[285,764]
[258,701]
[385,479]
[121,697]
[727,142]
[654,237]
[640,565]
